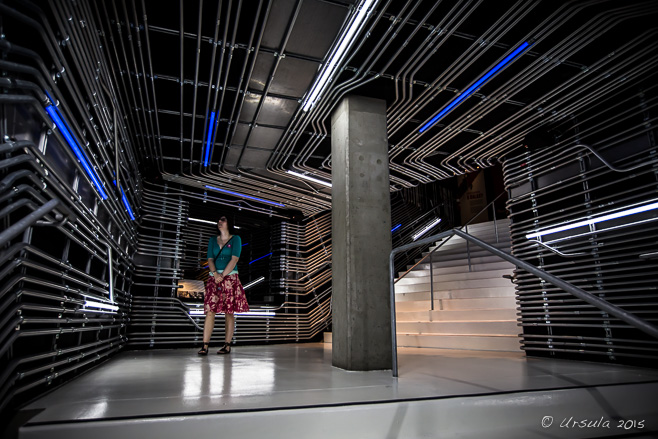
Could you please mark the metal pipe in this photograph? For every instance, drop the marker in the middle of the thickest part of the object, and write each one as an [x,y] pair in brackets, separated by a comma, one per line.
[22,224]
[110,272]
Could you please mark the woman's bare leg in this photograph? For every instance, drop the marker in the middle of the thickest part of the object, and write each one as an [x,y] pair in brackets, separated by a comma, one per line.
[230,326]
[208,326]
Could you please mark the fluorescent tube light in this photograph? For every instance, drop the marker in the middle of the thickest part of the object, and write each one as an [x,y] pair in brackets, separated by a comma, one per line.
[211,127]
[201,221]
[256,313]
[200,312]
[588,222]
[308,177]
[426,229]
[259,258]
[257,281]
[244,196]
[344,43]
[89,303]
[473,88]
[207,222]
[63,128]
[395,228]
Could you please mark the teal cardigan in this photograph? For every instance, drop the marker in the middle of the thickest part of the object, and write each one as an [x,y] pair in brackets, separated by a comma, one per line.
[222,256]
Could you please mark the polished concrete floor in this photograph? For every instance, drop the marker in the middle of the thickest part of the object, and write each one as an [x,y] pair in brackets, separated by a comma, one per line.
[137,384]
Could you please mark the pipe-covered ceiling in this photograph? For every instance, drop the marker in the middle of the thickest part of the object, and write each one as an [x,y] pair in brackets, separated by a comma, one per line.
[214,92]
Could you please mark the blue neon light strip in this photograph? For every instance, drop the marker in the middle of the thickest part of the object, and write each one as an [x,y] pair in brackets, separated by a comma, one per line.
[211,127]
[473,88]
[125,202]
[260,258]
[395,228]
[61,125]
[244,196]
[246,243]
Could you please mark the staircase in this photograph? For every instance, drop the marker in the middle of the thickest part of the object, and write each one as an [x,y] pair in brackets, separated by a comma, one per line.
[473,310]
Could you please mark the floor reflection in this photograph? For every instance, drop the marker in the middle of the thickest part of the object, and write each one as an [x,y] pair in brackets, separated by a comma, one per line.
[218,377]
[276,376]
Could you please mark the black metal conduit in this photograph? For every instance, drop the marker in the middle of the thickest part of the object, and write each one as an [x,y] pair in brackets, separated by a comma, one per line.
[610,176]
[403,36]
[64,68]
[60,243]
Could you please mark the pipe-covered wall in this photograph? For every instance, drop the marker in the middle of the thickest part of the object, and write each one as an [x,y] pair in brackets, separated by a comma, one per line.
[70,193]
[583,201]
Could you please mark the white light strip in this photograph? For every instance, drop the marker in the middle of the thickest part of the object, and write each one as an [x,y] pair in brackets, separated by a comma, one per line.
[594,220]
[89,303]
[200,312]
[308,177]
[201,221]
[256,313]
[345,42]
[257,281]
[427,227]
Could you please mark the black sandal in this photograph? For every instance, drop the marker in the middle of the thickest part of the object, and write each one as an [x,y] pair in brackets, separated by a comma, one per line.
[204,349]
[226,349]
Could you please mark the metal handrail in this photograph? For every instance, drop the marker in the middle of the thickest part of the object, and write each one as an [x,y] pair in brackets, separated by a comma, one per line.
[602,304]
[465,225]
[468,251]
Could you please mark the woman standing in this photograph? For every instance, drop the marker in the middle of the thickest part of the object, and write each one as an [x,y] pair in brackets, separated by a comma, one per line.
[224,292]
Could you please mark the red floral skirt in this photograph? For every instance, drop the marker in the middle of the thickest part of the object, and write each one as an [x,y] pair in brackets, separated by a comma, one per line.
[225,297]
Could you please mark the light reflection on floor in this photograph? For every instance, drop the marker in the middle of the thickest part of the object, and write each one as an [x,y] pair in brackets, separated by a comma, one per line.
[144,383]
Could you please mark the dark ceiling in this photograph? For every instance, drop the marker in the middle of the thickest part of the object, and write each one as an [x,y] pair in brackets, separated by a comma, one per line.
[252,63]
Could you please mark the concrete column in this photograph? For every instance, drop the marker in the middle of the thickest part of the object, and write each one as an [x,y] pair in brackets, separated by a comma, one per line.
[361,235]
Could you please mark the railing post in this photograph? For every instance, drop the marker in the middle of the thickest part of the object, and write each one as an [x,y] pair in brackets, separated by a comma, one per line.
[468,251]
[394,340]
[110,273]
[493,206]
[431,284]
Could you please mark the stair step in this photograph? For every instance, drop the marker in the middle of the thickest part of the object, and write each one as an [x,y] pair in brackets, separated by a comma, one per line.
[462,262]
[489,238]
[460,327]
[458,304]
[453,251]
[456,285]
[464,293]
[503,229]
[477,303]
[461,247]
[474,306]
[489,225]
[483,315]
[446,274]
[471,342]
